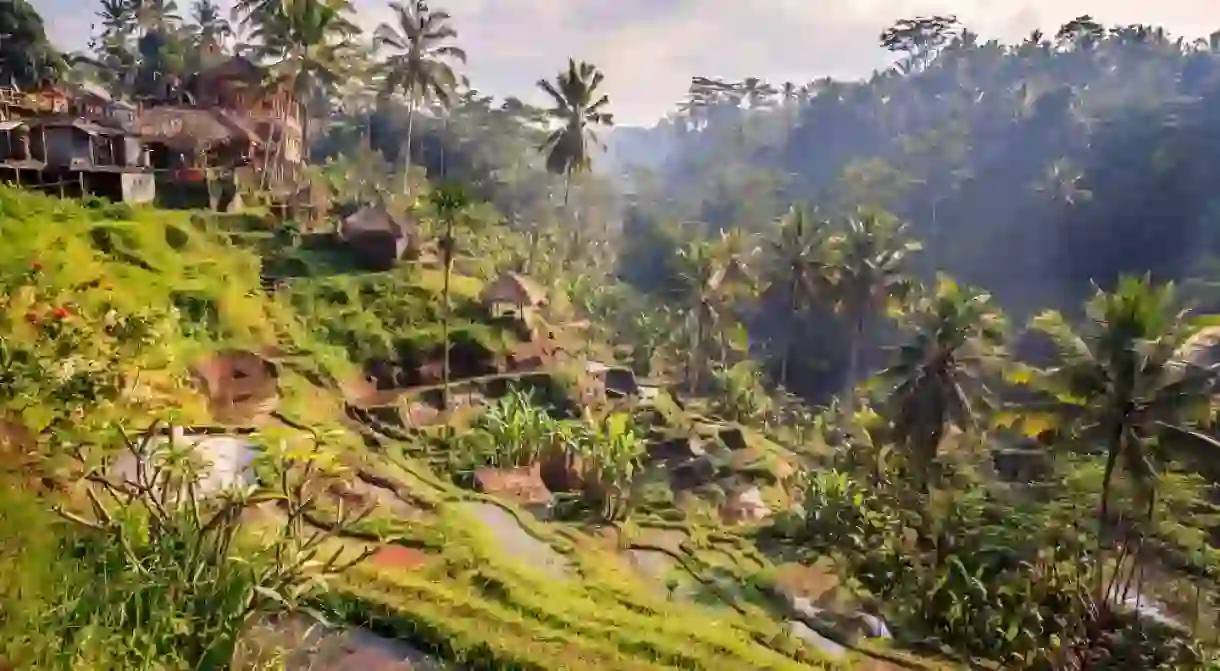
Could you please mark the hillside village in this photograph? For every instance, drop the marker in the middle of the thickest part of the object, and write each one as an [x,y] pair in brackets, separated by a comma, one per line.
[221,132]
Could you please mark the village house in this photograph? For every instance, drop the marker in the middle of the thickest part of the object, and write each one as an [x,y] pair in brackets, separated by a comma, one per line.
[74,156]
[94,103]
[512,294]
[197,153]
[378,237]
[238,86]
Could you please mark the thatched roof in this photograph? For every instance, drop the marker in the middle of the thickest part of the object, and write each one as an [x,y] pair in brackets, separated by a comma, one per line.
[189,128]
[376,219]
[515,289]
[233,67]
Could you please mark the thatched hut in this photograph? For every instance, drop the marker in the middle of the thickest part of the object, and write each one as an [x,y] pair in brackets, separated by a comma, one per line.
[192,137]
[379,237]
[512,292]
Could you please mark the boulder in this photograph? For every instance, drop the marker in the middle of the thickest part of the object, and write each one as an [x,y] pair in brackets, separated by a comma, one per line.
[744,505]
[849,626]
[523,485]
[241,387]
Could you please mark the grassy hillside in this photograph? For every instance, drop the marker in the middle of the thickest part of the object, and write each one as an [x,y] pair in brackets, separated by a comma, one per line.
[104,310]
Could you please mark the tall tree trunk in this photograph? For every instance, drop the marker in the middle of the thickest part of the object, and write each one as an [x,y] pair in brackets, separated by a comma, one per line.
[406,161]
[1103,514]
[853,363]
[692,361]
[567,192]
[790,335]
[447,252]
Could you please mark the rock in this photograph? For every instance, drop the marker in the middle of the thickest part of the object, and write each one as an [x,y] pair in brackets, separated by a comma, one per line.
[225,461]
[241,387]
[744,505]
[307,645]
[348,494]
[421,414]
[693,473]
[803,633]
[733,438]
[520,485]
[851,626]
[875,626]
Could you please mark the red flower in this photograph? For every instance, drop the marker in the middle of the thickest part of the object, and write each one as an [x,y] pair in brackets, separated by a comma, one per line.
[61,313]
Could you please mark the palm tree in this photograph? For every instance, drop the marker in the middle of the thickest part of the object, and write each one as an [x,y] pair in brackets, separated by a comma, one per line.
[867,271]
[448,201]
[709,272]
[578,107]
[800,265]
[308,42]
[421,66]
[957,333]
[212,30]
[154,15]
[699,280]
[1120,384]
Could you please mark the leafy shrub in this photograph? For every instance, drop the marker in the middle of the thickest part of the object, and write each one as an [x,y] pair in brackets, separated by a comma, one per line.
[998,583]
[180,578]
[65,362]
[738,394]
[515,431]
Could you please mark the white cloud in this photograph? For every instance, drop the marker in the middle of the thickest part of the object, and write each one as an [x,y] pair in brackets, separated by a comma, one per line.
[650,48]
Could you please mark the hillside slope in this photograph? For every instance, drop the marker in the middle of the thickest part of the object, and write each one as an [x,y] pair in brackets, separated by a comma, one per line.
[145,294]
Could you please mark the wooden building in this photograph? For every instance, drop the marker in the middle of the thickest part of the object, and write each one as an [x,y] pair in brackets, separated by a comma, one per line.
[239,86]
[72,156]
[379,237]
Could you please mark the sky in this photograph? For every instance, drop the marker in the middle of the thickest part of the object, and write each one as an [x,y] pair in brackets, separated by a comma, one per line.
[649,49]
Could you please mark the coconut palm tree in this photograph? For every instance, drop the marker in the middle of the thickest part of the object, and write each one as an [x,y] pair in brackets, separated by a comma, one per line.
[709,275]
[867,272]
[308,44]
[421,65]
[800,265]
[956,334]
[1121,385]
[579,108]
[448,201]
[212,30]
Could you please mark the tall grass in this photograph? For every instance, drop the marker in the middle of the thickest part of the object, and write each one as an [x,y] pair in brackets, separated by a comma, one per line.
[516,431]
